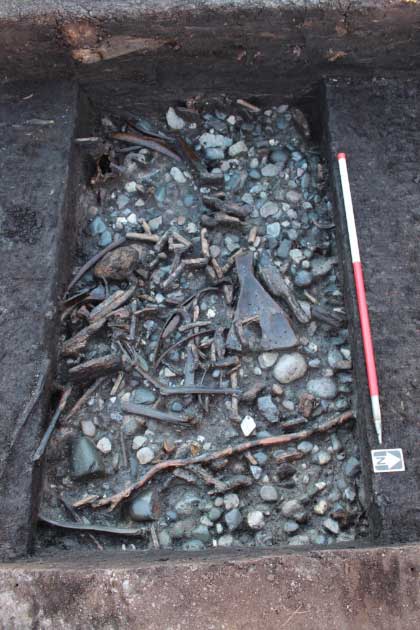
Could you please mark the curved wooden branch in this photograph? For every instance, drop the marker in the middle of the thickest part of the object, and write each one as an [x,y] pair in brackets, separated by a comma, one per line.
[274,440]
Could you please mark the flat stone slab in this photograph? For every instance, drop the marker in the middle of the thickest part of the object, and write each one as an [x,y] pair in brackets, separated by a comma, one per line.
[376,124]
[337,589]
[36,145]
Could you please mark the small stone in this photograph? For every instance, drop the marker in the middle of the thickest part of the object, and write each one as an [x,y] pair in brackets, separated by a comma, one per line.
[322,387]
[225,541]
[192,228]
[336,360]
[266,360]
[145,455]
[118,264]
[132,219]
[233,519]
[142,396]
[291,508]
[97,226]
[323,457]
[303,278]
[290,367]
[284,248]
[106,239]
[273,230]
[267,407]
[290,527]
[268,209]
[187,505]
[174,121]
[321,507]
[178,175]
[193,545]
[322,266]
[104,445]
[88,428]
[215,513]
[331,526]
[122,201]
[165,539]
[349,494]
[270,170]
[131,187]
[216,140]
[212,153]
[268,493]
[138,442]
[352,467]
[285,471]
[155,223]
[293,196]
[256,471]
[201,532]
[248,425]
[237,148]
[86,460]
[255,519]
[231,501]
[296,255]
[280,157]
[144,507]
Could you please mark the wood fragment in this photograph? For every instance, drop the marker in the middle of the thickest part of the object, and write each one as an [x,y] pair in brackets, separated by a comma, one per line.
[99,529]
[142,236]
[188,390]
[87,500]
[234,404]
[205,247]
[181,342]
[92,261]
[146,141]
[47,435]
[275,440]
[83,399]
[208,478]
[237,481]
[76,344]
[154,536]
[328,316]
[249,106]
[149,412]
[112,303]
[100,366]
[117,383]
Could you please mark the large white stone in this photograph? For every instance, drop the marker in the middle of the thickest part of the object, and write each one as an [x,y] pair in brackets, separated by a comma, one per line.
[290,367]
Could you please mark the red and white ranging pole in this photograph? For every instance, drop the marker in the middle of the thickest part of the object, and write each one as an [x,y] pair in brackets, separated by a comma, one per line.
[361,297]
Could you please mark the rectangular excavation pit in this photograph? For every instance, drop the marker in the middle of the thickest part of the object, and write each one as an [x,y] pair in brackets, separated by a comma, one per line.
[177,268]
[246,529]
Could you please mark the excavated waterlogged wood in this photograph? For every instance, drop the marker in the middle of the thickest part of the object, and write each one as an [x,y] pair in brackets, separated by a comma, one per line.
[38,183]
[377,124]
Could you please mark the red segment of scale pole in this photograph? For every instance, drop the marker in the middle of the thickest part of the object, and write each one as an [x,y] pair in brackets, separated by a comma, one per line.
[361,297]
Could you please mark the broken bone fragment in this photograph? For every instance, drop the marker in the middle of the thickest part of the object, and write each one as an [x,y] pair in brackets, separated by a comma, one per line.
[256,305]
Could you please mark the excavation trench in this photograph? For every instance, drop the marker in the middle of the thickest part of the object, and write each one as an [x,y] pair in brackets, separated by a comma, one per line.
[205,311]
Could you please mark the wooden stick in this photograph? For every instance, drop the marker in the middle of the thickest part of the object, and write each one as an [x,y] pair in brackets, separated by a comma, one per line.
[46,437]
[100,529]
[83,398]
[94,260]
[274,440]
